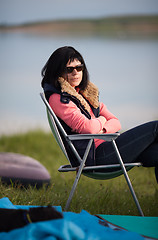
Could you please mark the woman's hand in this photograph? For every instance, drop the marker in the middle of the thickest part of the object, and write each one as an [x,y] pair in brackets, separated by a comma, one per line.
[103,121]
[102,131]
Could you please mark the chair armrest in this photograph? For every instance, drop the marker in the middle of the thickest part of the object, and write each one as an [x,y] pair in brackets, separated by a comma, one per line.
[107,137]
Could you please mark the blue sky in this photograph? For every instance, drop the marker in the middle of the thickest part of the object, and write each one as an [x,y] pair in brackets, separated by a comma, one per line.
[20,11]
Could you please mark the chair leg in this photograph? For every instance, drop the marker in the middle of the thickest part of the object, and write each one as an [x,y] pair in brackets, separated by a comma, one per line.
[127,179]
[78,175]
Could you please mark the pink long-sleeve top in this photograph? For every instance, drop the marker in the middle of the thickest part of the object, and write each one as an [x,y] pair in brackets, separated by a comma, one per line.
[79,123]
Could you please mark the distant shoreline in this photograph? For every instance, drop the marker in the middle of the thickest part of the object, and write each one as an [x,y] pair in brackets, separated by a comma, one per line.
[137,25]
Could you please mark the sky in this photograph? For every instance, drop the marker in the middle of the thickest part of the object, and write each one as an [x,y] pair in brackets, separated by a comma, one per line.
[22,11]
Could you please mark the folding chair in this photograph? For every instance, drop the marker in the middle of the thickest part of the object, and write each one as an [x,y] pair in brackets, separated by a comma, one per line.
[89,171]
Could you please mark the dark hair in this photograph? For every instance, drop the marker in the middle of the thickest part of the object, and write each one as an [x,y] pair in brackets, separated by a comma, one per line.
[56,64]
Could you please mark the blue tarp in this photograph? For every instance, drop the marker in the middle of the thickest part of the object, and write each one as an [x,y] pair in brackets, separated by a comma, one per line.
[73,226]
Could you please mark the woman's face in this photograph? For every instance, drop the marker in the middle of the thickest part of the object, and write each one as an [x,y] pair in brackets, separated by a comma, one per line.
[74,72]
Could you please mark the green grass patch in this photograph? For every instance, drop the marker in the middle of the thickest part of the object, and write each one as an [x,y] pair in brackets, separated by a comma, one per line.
[95,196]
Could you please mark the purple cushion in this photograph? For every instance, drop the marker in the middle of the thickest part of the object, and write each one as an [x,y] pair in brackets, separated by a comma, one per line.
[25,170]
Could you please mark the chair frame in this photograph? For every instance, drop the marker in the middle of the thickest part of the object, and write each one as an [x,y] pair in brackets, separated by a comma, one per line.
[55,126]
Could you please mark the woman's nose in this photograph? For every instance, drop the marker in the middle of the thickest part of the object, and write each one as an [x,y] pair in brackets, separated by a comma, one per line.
[74,71]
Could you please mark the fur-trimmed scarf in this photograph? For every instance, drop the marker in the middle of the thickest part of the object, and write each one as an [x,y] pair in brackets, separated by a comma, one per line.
[91,93]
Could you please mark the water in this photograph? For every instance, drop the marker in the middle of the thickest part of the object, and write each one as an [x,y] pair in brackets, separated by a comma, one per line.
[125,70]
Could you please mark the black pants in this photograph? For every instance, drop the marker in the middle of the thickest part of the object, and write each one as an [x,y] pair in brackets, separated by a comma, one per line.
[137,144]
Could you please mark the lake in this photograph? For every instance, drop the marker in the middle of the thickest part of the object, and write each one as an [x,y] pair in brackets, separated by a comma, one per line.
[124,69]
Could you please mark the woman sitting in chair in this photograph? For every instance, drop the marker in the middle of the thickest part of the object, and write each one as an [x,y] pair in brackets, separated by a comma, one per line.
[74,99]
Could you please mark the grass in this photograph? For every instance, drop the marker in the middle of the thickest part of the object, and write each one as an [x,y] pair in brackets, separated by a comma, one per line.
[95,196]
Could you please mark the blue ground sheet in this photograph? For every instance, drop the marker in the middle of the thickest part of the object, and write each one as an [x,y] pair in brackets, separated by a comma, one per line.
[75,226]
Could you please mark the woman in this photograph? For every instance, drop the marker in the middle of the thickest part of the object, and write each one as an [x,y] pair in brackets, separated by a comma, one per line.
[74,99]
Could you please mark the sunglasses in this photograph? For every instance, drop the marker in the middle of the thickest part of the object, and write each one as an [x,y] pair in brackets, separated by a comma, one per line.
[78,68]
